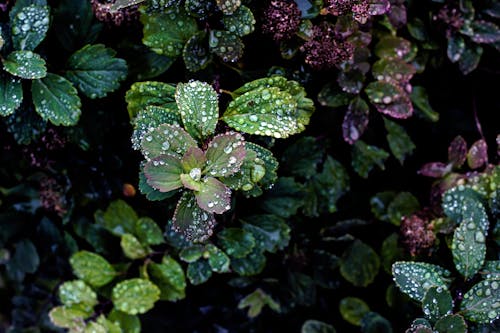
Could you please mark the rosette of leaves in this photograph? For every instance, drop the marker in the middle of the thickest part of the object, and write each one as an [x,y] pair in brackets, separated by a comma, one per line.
[429,284]
[93,70]
[172,30]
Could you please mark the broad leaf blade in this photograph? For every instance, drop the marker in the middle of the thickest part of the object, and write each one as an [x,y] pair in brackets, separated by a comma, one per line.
[169,277]
[29,27]
[150,93]
[166,139]
[164,173]
[135,296]
[150,118]
[25,64]
[92,268]
[390,99]
[11,94]
[214,196]
[225,154]
[481,303]
[191,221]
[399,141]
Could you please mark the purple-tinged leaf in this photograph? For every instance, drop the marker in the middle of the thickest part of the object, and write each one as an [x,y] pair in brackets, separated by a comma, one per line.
[456,47]
[398,16]
[194,158]
[192,180]
[355,120]
[478,154]
[166,139]
[485,32]
[351,82]
[225,154]
[470,59]
[457,152]
[393,70]
[191,221]
[214,196]
[435,169]
[378,7]
[163,173]
[392,47]
[390,99]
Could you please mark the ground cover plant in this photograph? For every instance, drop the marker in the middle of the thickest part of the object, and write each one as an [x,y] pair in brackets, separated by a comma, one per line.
[249,166]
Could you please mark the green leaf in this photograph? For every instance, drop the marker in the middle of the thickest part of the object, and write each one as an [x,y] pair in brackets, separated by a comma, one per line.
[256,301]
[150,93]
[303,157]
[372,322]
[415,278]
[436,303]
[468,247]
[25,260]
[316,326]
[285,198]
[271,232]
[355,120]
[29,27]
[236,242]
[199,108]
[270,165]
[359,264]
[193,162]
[379,204]
[252,264]
[392,47]
[92,268]
[128,323]
[420,100]
[491,270]
[68,317]
[390,99]
[485,32]
[148,232]
[135,296]
[119,218]
[331,96]
[192,253]
[199,272]
[241,22]
[56,100]
[95,71]
[391,251]
[451,323]
[166,33]
[353,309]
[481,304]
[403,204]
[214,196]
[166,139]
[191,221]
[392,70]
[195,53]
[455,48]
[11,94]
[131,247]
[470,59]
[169,277]
[164,173]
[25,64]
[228,7]
[460,203]
[217,259]
[399,141]
[77,293]
[150,192]
[150,118]
[365,157]
[225,154]
[228,46]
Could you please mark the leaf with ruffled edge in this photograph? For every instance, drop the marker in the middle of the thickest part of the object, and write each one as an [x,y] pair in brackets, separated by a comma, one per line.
[214,196]
[150,93]
[25,64]
[135,296]
[191,221]
[225,154]
[199,108]
[163,173]
[29,27]
[166,139]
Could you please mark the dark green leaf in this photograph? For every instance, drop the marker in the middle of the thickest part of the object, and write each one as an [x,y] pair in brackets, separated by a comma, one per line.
[331,96]
[353,309]
[421,101]
[365,157]
[469,247]
[199,272]
[150,118]
[228,7]
[256,301]
[372,322]
[241,22]
[217,259]
[29,27]
[11,94]
[451,323]
[399,141]
[228,46]
[195,53]
[252,264]
[316,326]
[470,58]
[135,296]
[169,277]
[225,154]
[359,264]
[150,93]
[403,204]
[25,260]
[192,253]
[128,323]
[456,47]
[236,242]
[355,120]
[271,233]
[302,157]
[285,198]
[481,304]
[436,303]
[415,278]
[148,232]
[95,71]
[191,221]
[119,218]
[25,64]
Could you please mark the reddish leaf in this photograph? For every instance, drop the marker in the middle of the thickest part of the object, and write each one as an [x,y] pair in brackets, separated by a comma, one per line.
[163,173]
[214,196]
[190,220]
[457,152]
[355,120]
[225,154]
[193,158]
[478,154]
[166,139]
[435,169]
[390,99]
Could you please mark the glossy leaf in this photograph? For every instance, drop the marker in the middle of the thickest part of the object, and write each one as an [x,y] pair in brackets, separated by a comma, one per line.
[451,323]
[420,100]
[169,277]
[399,141]
[166,33]
[457,151]
[228,7]
[214,196]
[359,264]
[225,154]
[131,247]
[199,108]
[226,45]
[353,309]
[164,173]
[77,293]
[252,264]
[477,156]
[25,64]
[241,22]
[256,301]
[415,278]
[393,70]
[332,97]
[135,296]
[481,303]
[29,27]
[119,218]
[217,259]
[236,242]
[148,232]
[149,119]
[365,157]
[150,93]
[199,272]
[195,53]
[468,247]
[436,303]
[456,47]
[92,268]
[68,316]
[271,233]
[11,94]
[56,100]
[192,221]
[192,253]
[390,99]
[392,47]
[165,140]
[95,70]
[355,120]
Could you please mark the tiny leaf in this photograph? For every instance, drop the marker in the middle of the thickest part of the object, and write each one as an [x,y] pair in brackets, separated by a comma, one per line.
[436,303]
[256,302]
[132,248]
[477,155]
[365,157]
[135,296]
[399,141]
[359,264]
[217,259]
[355,120]
[169,277]
[353,309]
[92,268]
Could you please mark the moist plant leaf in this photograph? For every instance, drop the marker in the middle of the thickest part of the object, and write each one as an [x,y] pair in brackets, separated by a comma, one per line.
[25,64]
[365,157]
[77,293]
[468,247]
[451,323]
[436,303]
[393,70]
[456,47]
[470,58]
[148,232]
[399,141]
[236,242]
[135,296]
[128,323]
[252,264]
[457,152]
[194,158]
[119,218]
[167,33]
[150,118]
[214,196]
[359,264]
[392,47]
[164,173]
[481,303]
[256,301]
[199,272]
[192,253]
[390,99]
[331,96]
[477,156]
[29,27]
[415,278]
[92,268]
[353,309]
[420,100]
[241,22]
[316,326]
[199,108]
[228,46]
[225,154]
[191,221]
[56,100]
[196,54]
[355,120]
[228,7]
[150,93]
[169,277]
[132,247]
[167,139]
[11,94]
[95,70]
[271,232]
[485,32]
[217,259]
[68,316]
